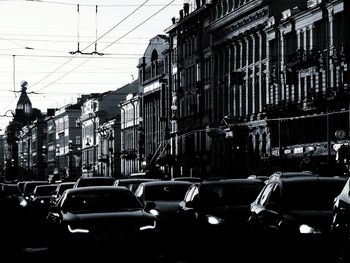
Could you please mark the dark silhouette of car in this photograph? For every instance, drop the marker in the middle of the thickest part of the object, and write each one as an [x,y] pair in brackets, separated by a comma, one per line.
[341,224]
[102,220]
[61,187]
[188,179]
[132,183]
[28,189]
[94,181]
[161,198]
[279,175]
[214,211]
[296,212]
[40,199]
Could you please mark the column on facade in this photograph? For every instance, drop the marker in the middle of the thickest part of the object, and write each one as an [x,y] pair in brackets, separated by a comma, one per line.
[330,47]
[253,73]
[234,87]
[240,110]
[283,84]
[229,81]
[247,76]
[267,71]
[299,77]
[223,87]
[260,71]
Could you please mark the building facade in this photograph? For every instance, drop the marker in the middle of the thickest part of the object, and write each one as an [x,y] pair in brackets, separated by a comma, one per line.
[248,74]
[131,153]
[155,104]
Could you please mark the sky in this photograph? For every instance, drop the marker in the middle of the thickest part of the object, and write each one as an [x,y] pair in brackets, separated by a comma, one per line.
[39,40]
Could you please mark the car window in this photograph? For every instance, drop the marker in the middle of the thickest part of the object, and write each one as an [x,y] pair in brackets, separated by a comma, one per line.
[265,194]
[313,195]
[229,194]
[189,193]
[275,194]
[165,192]
[139,191]
[100,201]
[195,194]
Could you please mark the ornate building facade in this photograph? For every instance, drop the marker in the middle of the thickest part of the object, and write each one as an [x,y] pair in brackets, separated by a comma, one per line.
[264,70]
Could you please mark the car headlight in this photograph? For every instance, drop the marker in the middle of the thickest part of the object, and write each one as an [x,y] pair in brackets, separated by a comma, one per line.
[77,230]
[154,212]
[150,226]
[23,203]
[306,229]
[213,220]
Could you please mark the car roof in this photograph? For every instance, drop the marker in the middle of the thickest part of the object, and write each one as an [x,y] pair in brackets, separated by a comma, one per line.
[166,182]
[297,179]
[96,189]
[233,181]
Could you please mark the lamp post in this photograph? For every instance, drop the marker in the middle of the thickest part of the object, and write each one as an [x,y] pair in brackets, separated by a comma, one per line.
[58,159]
[70,149]
[87,154]
[110,154]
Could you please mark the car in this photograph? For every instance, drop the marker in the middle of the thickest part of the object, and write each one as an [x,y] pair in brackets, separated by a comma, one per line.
[40,199]
[28,189]
[100,219]
[277,175]
[161,198]
[61,187]
[340,227]
[188,179]
[132,183]
[296,212]
[94,181]
[219,210]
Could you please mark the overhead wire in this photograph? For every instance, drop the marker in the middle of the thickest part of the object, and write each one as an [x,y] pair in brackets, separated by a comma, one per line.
[130,31]
[129,15]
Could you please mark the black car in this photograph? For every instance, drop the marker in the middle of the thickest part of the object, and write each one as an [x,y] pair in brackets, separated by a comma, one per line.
[218,211]
[132,183]
[94,181]
[161,198]
[296,212]
[341,223]
[223,204]
[61,187]
[91,219]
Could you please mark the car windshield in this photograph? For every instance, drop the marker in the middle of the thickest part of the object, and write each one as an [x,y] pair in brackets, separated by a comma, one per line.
[95,182]
[165,192]
[100,201]
[229,195]
[44,190]
[311,195]
[64,187]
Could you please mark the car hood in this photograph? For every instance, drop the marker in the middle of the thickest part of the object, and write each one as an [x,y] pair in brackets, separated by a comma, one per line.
[320,219]
[127,216]
[167,207]
[231,214]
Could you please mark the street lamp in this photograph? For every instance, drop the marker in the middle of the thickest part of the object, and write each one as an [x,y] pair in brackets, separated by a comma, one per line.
[110,154]
[70,149]
[58,159]
[87,154]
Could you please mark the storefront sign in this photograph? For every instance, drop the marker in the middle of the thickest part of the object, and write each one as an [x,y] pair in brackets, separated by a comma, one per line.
[299,150]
